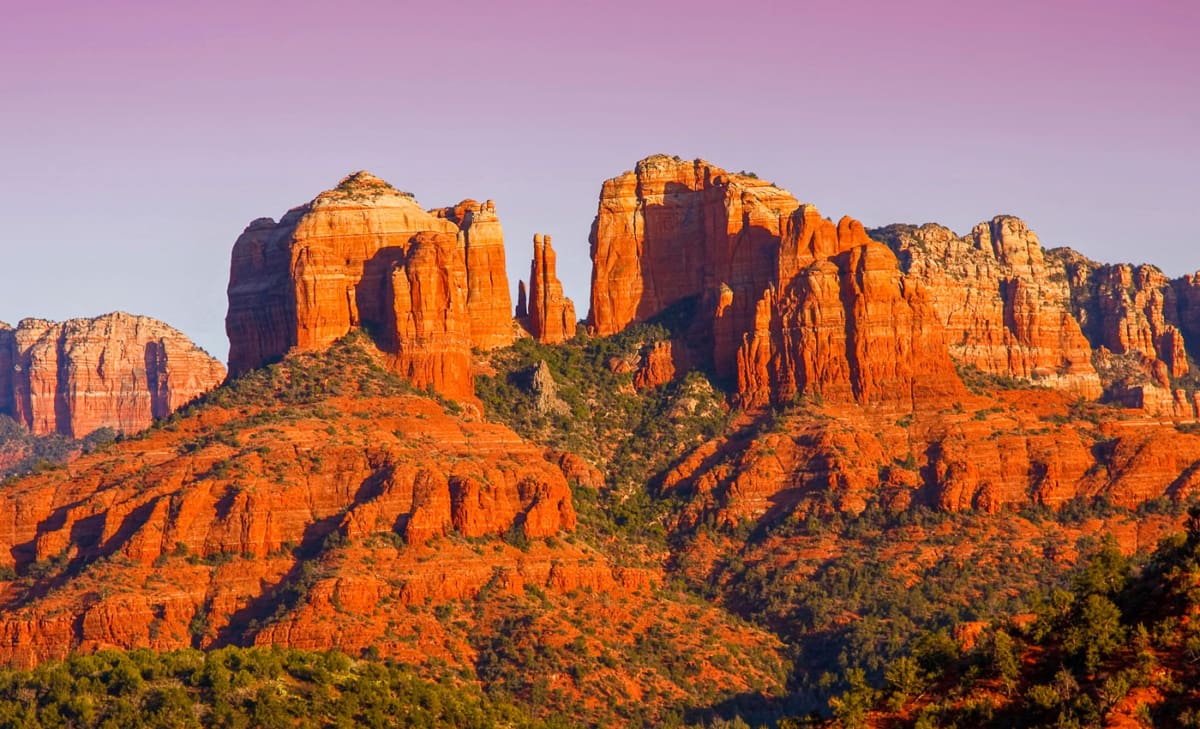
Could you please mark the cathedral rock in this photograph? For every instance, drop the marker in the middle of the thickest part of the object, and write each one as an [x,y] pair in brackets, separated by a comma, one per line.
[426,285]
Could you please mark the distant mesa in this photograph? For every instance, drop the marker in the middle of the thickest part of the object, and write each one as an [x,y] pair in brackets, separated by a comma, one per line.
[116,371]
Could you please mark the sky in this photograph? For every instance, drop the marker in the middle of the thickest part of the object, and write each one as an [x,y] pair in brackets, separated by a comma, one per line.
[138,139]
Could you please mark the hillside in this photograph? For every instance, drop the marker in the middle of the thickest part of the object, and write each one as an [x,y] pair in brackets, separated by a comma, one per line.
[787,470]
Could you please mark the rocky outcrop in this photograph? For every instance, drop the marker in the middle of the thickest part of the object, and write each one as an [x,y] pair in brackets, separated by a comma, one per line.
[1005,306]
[269,493]
[430,328]
[794,304]
[1137,314]
[116,371]
[488,299]
[427,285]
[988,456]
[545,391]
[661,362]
[671,230]
[522,302]
[551,316]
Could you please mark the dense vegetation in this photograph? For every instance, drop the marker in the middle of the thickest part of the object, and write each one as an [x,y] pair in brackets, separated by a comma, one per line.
[633,437]
[240,687]
[1119,638]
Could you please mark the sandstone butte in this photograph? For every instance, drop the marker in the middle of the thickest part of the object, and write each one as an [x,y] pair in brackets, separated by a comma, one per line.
[550,314]
[788,303]
[427,285]
[115,371]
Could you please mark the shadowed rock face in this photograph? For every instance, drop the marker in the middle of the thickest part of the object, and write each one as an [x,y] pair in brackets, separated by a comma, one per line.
[427,285]
[791,303]
[115,371]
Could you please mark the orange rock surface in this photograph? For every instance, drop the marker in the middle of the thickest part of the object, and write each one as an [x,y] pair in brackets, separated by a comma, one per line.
[798,305]
[661,362]
[551,315]
[266,487]
[430,326]
[114,371]
[1005,305]
[1135,311]
[488,299]
[428,285]
[987,454]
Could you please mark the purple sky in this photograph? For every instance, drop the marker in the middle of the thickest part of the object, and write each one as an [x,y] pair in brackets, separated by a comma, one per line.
[137,139]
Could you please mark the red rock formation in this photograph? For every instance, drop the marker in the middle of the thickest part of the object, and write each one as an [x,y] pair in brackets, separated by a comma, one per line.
[798,305]
[659,365]
[117,371]
[991,454]
[1005,306]
[416,472]
[551,315]
[331,266]
[522,302]
[1187,294]
[488,299]
[429,317]
[672,229]
[1135,311]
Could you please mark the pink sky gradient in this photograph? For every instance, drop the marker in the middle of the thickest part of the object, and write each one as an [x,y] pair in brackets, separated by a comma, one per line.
[139,138]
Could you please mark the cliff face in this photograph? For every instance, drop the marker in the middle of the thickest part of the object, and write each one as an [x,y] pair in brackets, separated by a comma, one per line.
[551,315]
[796,304]
[488,300]
[117,371]
[427,285]
[1143,327]
[672,229]
[1005,306]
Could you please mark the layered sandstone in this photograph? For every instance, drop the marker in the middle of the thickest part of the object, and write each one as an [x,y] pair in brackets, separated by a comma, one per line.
[988,454]
[794,304]
[430,327]
[268,494]
[1005,306]
[551,315]
[116,371]
[1137,313]
[427,285]
[488,299]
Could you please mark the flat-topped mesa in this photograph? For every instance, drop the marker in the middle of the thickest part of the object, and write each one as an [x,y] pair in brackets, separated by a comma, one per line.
[116,371]
[795,304]
[1005,305]
[551,316]
[427,285]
